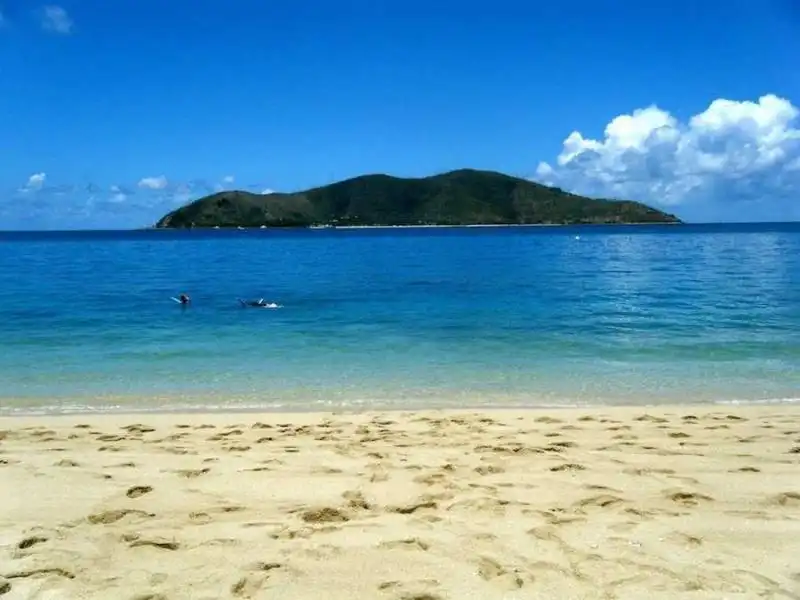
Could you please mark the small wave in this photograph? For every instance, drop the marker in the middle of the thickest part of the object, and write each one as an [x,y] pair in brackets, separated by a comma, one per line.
[67,409]
[759,401]
[379,402]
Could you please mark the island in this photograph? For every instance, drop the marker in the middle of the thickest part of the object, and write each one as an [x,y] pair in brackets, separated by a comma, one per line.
[462,197]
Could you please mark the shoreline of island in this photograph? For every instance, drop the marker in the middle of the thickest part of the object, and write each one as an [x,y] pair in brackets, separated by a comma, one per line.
[329,227]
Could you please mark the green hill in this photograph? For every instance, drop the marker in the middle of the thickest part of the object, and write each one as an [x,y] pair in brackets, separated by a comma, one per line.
[464,197]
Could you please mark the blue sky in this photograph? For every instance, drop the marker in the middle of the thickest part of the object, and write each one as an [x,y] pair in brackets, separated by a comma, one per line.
[112,113]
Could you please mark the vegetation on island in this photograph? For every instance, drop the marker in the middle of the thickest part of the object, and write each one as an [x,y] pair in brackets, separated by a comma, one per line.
[463,197]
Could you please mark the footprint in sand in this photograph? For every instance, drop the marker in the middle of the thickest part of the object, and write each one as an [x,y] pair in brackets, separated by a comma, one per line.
[408,544]
[356,500]
[43,571]
[489,470]
[155,543]
[31,541]
[192,473]
[111,448]
[568,467]
[651,419]
[548,420]
[429,478]
[326,514]
[601,501]
[491,570]
[201,518]
[138,428]
[112,516]
[248,586]
[138,491]
[221,436]
[688,498]
[409,509]
[602,488]
[412,590]
[237,448]
[556,516]
[110,437]
[785,499]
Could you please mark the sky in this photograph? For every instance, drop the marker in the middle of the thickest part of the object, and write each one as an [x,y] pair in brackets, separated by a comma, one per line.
[114,112]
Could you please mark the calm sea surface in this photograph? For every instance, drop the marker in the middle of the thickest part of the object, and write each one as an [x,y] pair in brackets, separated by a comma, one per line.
[532,316]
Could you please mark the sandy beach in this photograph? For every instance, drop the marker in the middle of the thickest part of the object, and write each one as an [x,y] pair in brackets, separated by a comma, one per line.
[628,503]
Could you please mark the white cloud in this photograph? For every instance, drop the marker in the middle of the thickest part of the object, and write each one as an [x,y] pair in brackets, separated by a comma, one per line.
[733,152]
[56,19]
[36,181]
[228,179]
[267,191]
[154,183]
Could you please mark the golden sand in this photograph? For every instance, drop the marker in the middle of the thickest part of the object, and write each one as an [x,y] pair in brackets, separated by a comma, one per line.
[612,503]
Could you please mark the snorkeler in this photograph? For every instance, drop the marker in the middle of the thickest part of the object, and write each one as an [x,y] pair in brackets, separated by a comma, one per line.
[257,303]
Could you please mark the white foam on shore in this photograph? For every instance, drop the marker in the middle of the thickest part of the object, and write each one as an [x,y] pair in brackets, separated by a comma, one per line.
[234,404]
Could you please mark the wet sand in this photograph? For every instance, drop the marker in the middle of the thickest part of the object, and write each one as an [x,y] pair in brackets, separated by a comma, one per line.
[612,503]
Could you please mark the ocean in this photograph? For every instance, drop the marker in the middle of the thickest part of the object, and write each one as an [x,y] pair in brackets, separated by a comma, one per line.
[399,318]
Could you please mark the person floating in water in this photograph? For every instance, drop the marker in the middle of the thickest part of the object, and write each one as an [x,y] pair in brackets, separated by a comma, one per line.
[184,299]
[259,302]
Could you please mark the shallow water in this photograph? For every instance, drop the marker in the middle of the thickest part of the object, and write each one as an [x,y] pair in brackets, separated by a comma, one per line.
[519,316]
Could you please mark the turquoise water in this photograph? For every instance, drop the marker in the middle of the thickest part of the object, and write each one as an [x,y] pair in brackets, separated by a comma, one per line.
[532,316]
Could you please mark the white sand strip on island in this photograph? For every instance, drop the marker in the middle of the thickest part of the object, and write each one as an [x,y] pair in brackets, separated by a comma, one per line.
[614,503]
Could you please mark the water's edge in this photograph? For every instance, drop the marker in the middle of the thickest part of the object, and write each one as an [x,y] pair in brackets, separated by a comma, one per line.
[130,407]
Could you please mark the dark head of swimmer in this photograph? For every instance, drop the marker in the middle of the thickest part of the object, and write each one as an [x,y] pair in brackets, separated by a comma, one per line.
[184,298]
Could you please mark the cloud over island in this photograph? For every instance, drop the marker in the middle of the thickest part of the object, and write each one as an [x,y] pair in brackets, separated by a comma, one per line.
[735,160]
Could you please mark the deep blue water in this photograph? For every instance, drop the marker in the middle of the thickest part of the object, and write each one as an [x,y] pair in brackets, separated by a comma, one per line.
[400,317]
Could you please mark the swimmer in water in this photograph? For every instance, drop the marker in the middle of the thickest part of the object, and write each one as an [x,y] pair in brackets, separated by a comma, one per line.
[260,303]
[184,299]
